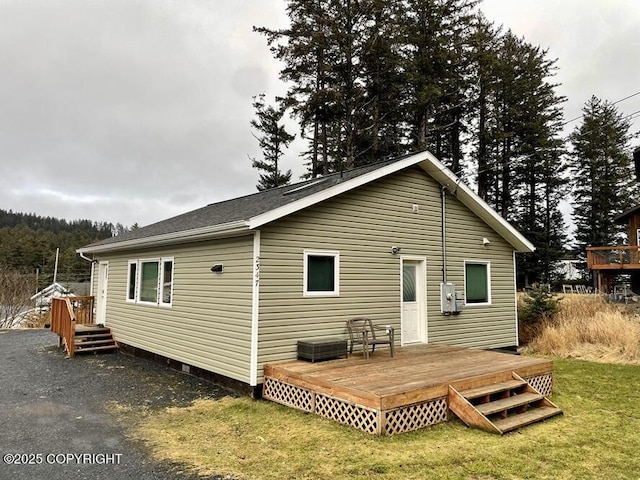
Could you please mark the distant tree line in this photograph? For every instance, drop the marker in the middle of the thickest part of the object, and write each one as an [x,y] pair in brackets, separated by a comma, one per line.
[28,243]
[372,79]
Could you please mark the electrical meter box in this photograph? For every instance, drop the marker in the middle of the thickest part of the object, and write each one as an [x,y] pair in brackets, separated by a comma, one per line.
[451,301]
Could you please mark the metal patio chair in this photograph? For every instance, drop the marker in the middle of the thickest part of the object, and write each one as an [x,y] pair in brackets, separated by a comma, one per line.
[363,332]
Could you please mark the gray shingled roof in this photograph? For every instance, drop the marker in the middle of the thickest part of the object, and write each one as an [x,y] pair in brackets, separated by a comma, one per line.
[242,208]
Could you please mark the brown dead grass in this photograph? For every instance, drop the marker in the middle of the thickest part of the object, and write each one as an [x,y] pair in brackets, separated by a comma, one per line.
[37,320]
[590,328]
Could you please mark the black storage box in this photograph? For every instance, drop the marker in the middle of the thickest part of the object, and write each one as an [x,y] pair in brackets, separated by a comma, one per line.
[325,349]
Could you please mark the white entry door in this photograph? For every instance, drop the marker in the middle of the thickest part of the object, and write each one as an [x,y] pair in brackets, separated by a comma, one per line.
[413,301]
[101,298]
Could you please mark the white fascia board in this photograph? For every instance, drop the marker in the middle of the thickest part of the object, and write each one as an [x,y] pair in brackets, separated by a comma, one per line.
[476,204]
[338,189]
[193,235]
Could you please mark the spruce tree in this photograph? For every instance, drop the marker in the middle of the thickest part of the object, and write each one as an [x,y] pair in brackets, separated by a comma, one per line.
[435,49]
[272,139]
[601,174]
[303,48]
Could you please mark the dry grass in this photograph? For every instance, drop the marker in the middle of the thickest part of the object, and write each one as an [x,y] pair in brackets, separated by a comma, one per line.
[589,328]
[37,320]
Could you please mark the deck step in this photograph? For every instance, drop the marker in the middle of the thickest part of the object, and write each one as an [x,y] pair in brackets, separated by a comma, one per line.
[90,333]
[94,335]
[85,343]
[94,339]
[514,422]
[96,349]
[492,388]
[501,407]
[508,403]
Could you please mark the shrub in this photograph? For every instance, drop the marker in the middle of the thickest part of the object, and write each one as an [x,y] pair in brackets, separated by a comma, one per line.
[537,305]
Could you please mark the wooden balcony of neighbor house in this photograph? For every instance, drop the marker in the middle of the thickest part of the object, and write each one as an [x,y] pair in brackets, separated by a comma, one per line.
[619,257]
[72,320]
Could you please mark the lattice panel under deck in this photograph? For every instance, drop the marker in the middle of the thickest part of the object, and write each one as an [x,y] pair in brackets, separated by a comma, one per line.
[347,413]
[286,394]
[543,384]
[413,417]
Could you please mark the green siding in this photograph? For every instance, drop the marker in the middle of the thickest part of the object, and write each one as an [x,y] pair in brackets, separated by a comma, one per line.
[209,324]
[363,225]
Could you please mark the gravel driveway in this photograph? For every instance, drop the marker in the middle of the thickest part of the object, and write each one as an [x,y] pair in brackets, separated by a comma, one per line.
[54,411]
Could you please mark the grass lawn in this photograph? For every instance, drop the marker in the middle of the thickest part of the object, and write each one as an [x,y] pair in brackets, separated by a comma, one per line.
[598,437]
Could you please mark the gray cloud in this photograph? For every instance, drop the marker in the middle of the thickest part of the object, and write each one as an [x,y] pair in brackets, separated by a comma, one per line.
[109,104]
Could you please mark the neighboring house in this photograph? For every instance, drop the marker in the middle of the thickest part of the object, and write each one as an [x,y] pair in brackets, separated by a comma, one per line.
[234,285]
[619,264]
[44,296]
[569,269]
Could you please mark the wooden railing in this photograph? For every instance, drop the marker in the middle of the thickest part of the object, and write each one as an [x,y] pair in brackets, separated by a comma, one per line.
[66,313]
[613,258]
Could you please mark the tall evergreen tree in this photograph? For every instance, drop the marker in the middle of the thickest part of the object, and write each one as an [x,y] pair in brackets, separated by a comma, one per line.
[484,41]
[305,51]
[518,149]
[381,134]
[538,174]
[435,47]
[601,172]
[340,59]
[272,139]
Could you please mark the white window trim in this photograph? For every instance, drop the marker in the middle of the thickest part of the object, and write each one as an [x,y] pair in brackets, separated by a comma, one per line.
[135,287]
[160,261]
[139,286]
[478,262]
[161,285]
[336,272]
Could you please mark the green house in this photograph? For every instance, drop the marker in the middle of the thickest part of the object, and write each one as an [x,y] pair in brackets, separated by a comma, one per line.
[227,288]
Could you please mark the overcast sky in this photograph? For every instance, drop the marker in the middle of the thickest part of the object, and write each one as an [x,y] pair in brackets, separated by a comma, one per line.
[137,110]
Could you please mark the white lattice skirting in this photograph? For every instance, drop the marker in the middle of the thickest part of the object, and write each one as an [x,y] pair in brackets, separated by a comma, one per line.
[400,420]
[543,384]
[389,422]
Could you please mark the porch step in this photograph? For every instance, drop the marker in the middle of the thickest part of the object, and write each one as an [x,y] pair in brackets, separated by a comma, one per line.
[492,388]
[94,339]
[527,418]
[501,407]
[92,336]
[97,349]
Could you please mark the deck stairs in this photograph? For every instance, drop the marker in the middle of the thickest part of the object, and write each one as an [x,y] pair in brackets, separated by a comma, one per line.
[501,407]
[94,339]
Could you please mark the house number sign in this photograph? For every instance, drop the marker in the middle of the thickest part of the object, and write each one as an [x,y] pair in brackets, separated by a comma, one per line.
[257,271]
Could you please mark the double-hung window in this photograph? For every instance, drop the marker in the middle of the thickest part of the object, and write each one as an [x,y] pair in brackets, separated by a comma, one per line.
[321,273]
[150,281]
[477,283]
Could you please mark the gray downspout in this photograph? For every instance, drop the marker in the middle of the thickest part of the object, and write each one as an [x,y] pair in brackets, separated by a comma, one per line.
[443,192]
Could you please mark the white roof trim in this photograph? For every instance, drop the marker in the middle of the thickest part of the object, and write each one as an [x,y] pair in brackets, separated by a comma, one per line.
[49,289]
[195,234]
[431,166]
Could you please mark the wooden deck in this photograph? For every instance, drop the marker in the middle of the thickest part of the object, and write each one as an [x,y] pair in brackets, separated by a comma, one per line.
[393,395]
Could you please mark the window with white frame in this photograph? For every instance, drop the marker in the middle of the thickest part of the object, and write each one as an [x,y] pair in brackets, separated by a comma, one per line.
[321,273]
[150,281]
[477,283]
[132,280]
